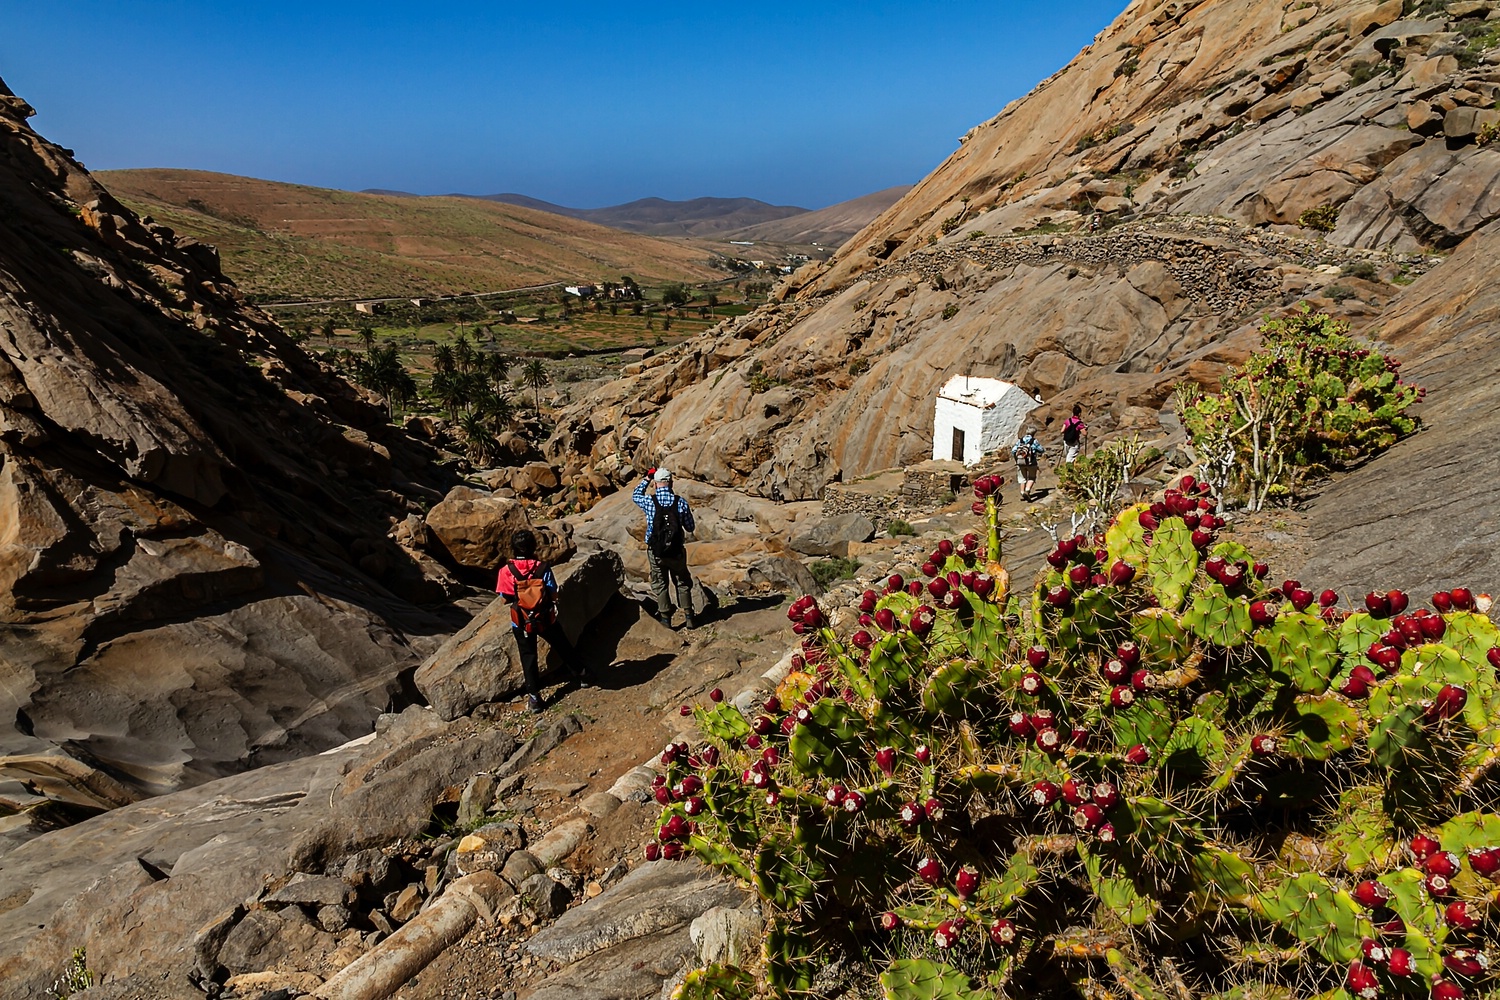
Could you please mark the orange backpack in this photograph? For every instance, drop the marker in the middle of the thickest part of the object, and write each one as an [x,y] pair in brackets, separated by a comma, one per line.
[533,608]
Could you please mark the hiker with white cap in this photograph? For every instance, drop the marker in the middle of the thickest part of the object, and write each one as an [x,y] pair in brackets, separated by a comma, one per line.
[668,520]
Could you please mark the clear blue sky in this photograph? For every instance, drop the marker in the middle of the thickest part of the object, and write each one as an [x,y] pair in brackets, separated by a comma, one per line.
[581,104]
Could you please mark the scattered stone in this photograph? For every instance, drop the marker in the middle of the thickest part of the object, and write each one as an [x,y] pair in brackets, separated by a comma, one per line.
[546,896]
[728,935]
[407,904]
[323,891]
[599,804]
[830,536]
[560,841]
[478,795]
[334,918]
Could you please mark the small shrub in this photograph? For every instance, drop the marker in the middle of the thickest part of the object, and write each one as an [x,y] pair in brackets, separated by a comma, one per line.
[1339,293]
[826,572]
[859,366]
[1363,269]
[975,234]
[949,224]
[1487,134]
[1323,218]
[897,528]
[76,977]
[950,310]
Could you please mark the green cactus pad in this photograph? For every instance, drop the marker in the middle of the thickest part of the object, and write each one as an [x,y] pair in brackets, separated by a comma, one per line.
[785,875]
[1316,913]
[893,662]
[998,893]
[1136,982]
[1436,665]
[1163,640]
[1425,930]
[720,856]
[1195,748]
[722,721]
[1358,632]
[1172,563]
[1302,647]
[1218,618]
[1147,721]
[788,953]
[952,687]
[1323,726]
[1126,539]
[1472,636]
[1221,876]
[823,744]
[987,637]
[1116,890]
[1363,837]
[921,979]
[1470,830]
[716,982]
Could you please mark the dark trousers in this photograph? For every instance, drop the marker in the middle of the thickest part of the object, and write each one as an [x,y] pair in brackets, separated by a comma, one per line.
[558,640]
[675,569]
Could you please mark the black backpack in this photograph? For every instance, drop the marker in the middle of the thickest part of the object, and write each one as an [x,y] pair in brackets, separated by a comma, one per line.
[1072,431]
[666,530]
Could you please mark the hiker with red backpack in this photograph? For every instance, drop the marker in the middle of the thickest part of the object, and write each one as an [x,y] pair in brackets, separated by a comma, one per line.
[528,586]
[1074,433]
[668,520]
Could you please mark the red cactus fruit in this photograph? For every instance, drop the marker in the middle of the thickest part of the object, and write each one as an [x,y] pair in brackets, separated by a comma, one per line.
[1493,655]
[653,851]
[1263,745]
[1371,894]
[1398,601]
[861,640]
[1049,741]
[1020,724]
[965,882]
[1106,796]
[1088,817]
[1140,680]
[1262,613]
[889,921]
[1466,962]
[1485,861]
[921,622]
[1044,793]
[1072,794]
[1443,601]
[1116,671]
[1444,863]
[1423,845]
[1138,754]
[1398,962]
[1463,598]
[1003,932]
[1121,696]
[1373,950]
[912,814]
[947,934]
[923,753]
[929,871]
[1121,573]
[1461,916]
[1448,703]
[1378,605]
[1432,627]
[1129,654]
[1301,599]
[1078,736]
[1328,598]
[1438,885]
[1446,989]
[885,759]
[854,801]
[895,583]
[1358,683]
[1106,832]
[1361,981]
[1032,683]
[934,810]
[834,795]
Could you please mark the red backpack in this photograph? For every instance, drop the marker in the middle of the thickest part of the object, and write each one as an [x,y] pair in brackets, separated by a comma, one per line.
[532,610]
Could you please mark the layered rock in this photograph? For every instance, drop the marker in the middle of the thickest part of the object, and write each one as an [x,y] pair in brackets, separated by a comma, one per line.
[195,573]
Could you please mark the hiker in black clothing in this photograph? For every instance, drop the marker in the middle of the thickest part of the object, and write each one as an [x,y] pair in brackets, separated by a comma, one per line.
[528,586]
[668,520]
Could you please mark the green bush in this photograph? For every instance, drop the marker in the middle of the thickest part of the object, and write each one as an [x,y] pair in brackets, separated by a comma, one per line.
[1311,400]
[1154,774]
[898,528]
[1323,218]
[950,310]
[826,572]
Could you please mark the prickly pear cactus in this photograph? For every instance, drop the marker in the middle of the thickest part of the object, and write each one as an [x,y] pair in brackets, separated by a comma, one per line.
[1156,774]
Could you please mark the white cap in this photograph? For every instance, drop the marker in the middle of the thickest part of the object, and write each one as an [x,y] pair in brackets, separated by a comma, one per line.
[662,475]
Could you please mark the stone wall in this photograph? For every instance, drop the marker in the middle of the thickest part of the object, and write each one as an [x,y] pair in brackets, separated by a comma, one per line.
[920,490]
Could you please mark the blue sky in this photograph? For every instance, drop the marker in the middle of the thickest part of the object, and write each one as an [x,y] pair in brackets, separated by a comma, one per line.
[581,104]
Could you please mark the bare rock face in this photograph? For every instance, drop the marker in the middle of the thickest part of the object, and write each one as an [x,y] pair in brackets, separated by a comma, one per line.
[195,569]
[474,528]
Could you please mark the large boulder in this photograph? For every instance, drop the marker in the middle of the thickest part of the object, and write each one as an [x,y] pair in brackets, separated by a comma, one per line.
[474,528]
[830,536]
[481,663]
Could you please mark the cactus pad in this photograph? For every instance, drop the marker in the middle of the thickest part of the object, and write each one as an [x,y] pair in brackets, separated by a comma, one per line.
[1172,563]
[921,979]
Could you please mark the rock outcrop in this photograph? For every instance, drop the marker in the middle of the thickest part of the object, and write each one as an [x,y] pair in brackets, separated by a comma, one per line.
[195,573]
[1205,136]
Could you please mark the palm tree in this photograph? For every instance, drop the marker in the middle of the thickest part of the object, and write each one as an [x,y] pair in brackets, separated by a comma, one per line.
[478,441]
[367,337]
[534,376]
[497,367]
[463,354]
[498,410]
[442,359]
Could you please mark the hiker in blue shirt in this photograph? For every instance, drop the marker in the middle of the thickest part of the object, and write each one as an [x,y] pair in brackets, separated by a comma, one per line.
[668,520]
[1027,452]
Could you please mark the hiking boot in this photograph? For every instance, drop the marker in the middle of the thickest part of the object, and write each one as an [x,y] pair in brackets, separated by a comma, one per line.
[533,704]
[664,619]
[582,679]
[690,622]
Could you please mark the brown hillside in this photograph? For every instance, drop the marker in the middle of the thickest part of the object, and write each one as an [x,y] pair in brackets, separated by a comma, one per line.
[1200,132]
[829,226]
[289,242]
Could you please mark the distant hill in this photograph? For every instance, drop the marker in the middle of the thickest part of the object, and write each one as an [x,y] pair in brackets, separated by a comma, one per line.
[287,241]
[699,217]
[829,227]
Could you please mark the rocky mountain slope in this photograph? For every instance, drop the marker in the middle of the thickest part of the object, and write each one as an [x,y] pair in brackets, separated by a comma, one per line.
[1200,132]
[195,573]
[291,242]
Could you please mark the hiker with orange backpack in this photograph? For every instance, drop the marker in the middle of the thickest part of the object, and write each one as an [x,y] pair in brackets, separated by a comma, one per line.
[528,586]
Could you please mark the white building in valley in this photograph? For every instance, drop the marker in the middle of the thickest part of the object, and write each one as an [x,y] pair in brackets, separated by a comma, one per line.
[977,415]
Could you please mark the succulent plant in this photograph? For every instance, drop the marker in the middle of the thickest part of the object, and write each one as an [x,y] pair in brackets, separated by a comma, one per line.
[1143,777]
